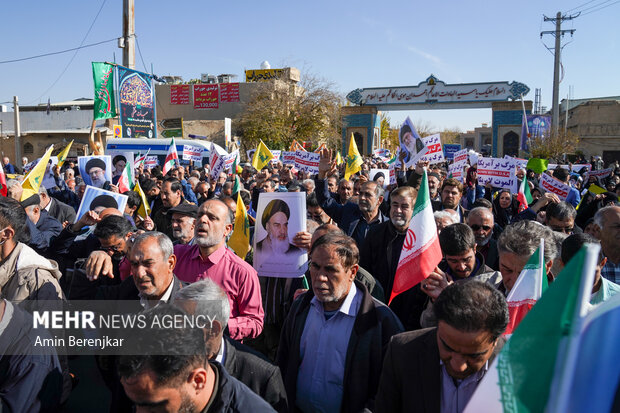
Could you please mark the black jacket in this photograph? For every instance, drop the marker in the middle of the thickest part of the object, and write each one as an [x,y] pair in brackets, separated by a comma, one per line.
[232,396]
[379,255]
[61,211]
[30,379]
[373,327]
[411,376]
[262,377]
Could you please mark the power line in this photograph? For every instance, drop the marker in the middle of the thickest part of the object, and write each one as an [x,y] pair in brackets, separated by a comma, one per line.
[593,6]
[140,53]
[604,7]
[74,54]
[584,4]
[55,53]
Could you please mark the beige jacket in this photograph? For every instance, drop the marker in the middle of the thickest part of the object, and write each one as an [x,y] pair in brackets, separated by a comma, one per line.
[25,275]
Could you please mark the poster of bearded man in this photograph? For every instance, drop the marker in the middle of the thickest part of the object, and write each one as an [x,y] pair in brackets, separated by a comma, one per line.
[96,170]
[279,217]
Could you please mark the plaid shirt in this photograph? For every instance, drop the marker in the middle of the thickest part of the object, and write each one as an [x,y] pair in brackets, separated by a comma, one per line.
[611,272]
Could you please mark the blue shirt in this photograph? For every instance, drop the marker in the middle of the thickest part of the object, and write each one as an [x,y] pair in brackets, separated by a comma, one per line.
[611,271]
[323,351]
[573,197]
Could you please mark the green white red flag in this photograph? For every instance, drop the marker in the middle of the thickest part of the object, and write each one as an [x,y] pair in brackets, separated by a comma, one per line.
[524,196]
[421,250]
[3,188]
[126,181]
[528,288]
[534,370]
[172,158]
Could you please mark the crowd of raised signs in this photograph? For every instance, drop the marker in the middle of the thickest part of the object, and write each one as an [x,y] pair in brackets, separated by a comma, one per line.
[324,342]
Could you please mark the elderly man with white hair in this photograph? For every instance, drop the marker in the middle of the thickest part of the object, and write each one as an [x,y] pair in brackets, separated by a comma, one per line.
[444,218]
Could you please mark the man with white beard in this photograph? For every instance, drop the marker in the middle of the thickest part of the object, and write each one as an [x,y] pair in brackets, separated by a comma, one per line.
[276,246]
[95,168]
[480,220]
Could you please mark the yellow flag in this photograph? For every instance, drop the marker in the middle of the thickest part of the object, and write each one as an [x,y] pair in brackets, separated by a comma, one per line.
[261,157]
[33,180]
[354,159]
[63,155]
[240,238]
[597,190]
[144,209]
[338,158]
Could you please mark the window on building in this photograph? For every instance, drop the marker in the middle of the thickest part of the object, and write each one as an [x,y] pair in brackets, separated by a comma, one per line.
[28,148]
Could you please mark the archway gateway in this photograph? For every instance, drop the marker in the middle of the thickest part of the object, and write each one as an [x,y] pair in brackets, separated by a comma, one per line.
[502,97]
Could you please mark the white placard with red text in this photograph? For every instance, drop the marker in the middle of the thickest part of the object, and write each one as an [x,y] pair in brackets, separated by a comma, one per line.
[499,172]
[434,154]
[550,184]
[307,161]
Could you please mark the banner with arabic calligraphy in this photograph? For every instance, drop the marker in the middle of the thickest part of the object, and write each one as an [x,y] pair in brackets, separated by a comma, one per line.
[263,75]
[229,92]
[136,99]
[105,103]
[179,94]
[499,172]
[206,96]
[434,153]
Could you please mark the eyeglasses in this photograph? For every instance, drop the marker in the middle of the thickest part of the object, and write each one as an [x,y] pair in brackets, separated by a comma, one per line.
[113,249]
[477,227]
[566,230]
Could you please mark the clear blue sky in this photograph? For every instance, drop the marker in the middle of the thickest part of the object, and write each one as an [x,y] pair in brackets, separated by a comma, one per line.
[352,43]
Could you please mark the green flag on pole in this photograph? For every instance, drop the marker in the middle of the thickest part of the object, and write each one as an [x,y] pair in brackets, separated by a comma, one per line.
[105,102]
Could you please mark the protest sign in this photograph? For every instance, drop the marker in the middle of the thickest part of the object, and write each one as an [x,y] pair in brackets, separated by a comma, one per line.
[307,161]
[218,166]
[434,153]
[550,184]
[579,166]
[519,163]
[449,149]
[274,256]
[460,156]
[456,170]
[192,153]
[600,174]
[250,154]
[499,172]
[393,172]
[276,156]
[386,175]
[288,158]
[553,166]
[381,153]
[411,143]
[151,162]
[97,198]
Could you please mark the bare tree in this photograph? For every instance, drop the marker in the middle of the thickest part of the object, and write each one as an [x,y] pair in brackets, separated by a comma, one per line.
[553,146]
[280,112]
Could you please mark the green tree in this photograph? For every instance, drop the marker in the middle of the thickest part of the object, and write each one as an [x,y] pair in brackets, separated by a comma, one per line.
[279,112]
[553,146]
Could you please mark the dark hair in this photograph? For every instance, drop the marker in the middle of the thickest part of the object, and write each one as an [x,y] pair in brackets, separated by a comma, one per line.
[482,202]
[561,211]
[13,215]
[573,243]
[456,239]
[170,353]
[472,306]
[133,199]
[147,185]
[118,158]
[175,185]
[452,182]
[312,201]
[345,247]
[112,225]
[561,174]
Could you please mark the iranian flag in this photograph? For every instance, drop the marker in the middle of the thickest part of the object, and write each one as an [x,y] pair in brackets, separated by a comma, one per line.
[171,157]
[3,187]
[538,365]
[126,181]
[421,251]
[141,159]
[525,196]
[528,288]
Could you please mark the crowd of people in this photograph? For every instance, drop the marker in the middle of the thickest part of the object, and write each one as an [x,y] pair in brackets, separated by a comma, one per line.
[324,342]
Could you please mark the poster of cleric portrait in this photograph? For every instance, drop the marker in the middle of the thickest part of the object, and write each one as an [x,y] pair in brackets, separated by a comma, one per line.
[136,100]
[411,143]
[119,160]
[95,170]
[279,216]
[97,199]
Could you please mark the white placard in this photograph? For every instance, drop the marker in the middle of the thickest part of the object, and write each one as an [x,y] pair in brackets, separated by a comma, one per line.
[460,156]
[550,184]
[151,162]
[434,154]
[411,143]
[276,156]
[192,153]
[288,158]
[307,161]
[499,172]
[386,175]
[97,197]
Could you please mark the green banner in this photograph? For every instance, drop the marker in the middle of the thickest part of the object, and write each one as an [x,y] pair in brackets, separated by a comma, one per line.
[105,102]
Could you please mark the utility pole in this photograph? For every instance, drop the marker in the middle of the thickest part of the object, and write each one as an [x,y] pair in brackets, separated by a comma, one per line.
[18,132]
[558,33]
[129,34]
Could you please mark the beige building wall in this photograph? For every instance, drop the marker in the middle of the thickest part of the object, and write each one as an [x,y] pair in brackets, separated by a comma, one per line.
[597,124]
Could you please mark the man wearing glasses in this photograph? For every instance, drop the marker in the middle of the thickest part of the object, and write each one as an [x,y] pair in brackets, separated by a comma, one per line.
[480,220]
[315,212]
[560,217]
